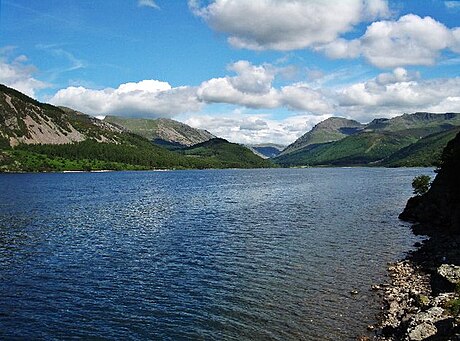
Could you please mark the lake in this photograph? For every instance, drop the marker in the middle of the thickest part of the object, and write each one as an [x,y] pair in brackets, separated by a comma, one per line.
[269,254]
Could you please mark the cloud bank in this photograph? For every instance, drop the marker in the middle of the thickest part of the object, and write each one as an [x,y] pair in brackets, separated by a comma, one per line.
[320,25]
[252,87]
[150,98]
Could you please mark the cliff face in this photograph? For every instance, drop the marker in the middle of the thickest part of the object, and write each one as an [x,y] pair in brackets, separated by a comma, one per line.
[439,208]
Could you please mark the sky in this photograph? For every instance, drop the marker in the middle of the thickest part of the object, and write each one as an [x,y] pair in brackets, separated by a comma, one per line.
[249,71]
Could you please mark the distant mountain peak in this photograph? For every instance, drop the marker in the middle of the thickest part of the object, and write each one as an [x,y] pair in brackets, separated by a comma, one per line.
[331,129]
[163,131]
[408,139]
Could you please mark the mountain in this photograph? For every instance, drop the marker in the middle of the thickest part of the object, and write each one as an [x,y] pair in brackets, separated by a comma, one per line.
[162,131]
[407,140]
[25,120]
[225,154]
[41,137]
[423,152]
[266,150]
[331,129]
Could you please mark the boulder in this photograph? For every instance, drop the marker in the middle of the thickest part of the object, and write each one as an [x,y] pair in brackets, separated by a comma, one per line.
[446,278]
[422,331]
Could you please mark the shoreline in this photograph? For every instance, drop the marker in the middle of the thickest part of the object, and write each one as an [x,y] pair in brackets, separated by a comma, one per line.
[422,299]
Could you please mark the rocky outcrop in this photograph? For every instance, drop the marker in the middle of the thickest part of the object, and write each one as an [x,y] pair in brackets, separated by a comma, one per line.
[412,311]
[422,301]
[440,206]
[25,120]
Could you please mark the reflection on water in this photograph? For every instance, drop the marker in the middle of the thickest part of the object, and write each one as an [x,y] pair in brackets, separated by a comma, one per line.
[236,254]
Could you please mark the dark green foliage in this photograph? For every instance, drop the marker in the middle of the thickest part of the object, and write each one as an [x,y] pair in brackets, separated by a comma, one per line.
[360,149]
[426,152]
[421,184]
[224,154]
[407,140]
[134,151]
[453,307]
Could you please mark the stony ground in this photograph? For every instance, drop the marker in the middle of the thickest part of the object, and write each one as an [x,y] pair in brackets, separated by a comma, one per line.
[422,299]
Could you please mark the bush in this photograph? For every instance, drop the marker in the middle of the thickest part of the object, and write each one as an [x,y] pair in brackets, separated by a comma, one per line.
[421,184]
[453,306]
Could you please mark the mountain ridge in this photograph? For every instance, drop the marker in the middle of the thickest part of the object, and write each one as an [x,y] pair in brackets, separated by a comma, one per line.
[165,132]
[37,136]
[373,143]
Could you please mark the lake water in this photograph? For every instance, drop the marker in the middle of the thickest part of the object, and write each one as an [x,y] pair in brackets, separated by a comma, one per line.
[208,255]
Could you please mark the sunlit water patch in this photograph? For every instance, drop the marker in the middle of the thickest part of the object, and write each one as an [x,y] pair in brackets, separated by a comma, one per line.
[213,255]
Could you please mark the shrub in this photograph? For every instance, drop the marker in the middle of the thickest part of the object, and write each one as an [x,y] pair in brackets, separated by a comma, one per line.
[421,184]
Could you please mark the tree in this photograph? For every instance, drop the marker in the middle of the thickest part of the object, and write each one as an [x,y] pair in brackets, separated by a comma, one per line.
[421,184]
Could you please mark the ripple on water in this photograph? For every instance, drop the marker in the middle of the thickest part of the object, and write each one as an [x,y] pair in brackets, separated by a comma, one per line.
[237,254]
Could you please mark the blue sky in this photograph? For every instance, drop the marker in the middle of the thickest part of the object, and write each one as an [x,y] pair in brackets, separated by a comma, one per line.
[249,71]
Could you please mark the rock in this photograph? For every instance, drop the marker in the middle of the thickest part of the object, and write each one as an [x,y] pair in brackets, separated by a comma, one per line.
[446,278]
[450,273]
[422,331]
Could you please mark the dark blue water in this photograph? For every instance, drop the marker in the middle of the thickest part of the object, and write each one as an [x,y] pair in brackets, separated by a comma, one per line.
[209,255]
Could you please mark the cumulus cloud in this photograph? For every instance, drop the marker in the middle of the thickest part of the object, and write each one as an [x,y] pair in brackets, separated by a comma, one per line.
[19,75]
[398,92]
[411,40]
[148,3]
[286,24]
[252,87]
[320,25]
[252,129]
[150,98]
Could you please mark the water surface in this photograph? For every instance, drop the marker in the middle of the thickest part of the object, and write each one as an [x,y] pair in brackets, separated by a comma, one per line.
[210,255]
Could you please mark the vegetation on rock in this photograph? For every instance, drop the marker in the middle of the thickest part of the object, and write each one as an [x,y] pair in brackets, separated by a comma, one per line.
[421,184]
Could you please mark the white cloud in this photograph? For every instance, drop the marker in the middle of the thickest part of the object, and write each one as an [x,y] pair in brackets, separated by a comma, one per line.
[286,24]
[411,40]
[252,87]
[251,129]
[150,98]
[398,92]
[301,97]
[19,75]
[148,3]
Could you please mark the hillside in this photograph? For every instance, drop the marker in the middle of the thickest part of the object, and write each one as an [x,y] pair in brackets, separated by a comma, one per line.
[266,150]
[226,155]
[162,131]
[40,137]
[407,140]
[423,152]
[360,149]
[24,120]
[329,130]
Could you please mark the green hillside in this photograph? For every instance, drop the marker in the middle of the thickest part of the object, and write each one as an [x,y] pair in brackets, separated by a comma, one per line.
[407,140]
[224,154]
[329,130]
[423,153]
[40,137]
[360,149]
